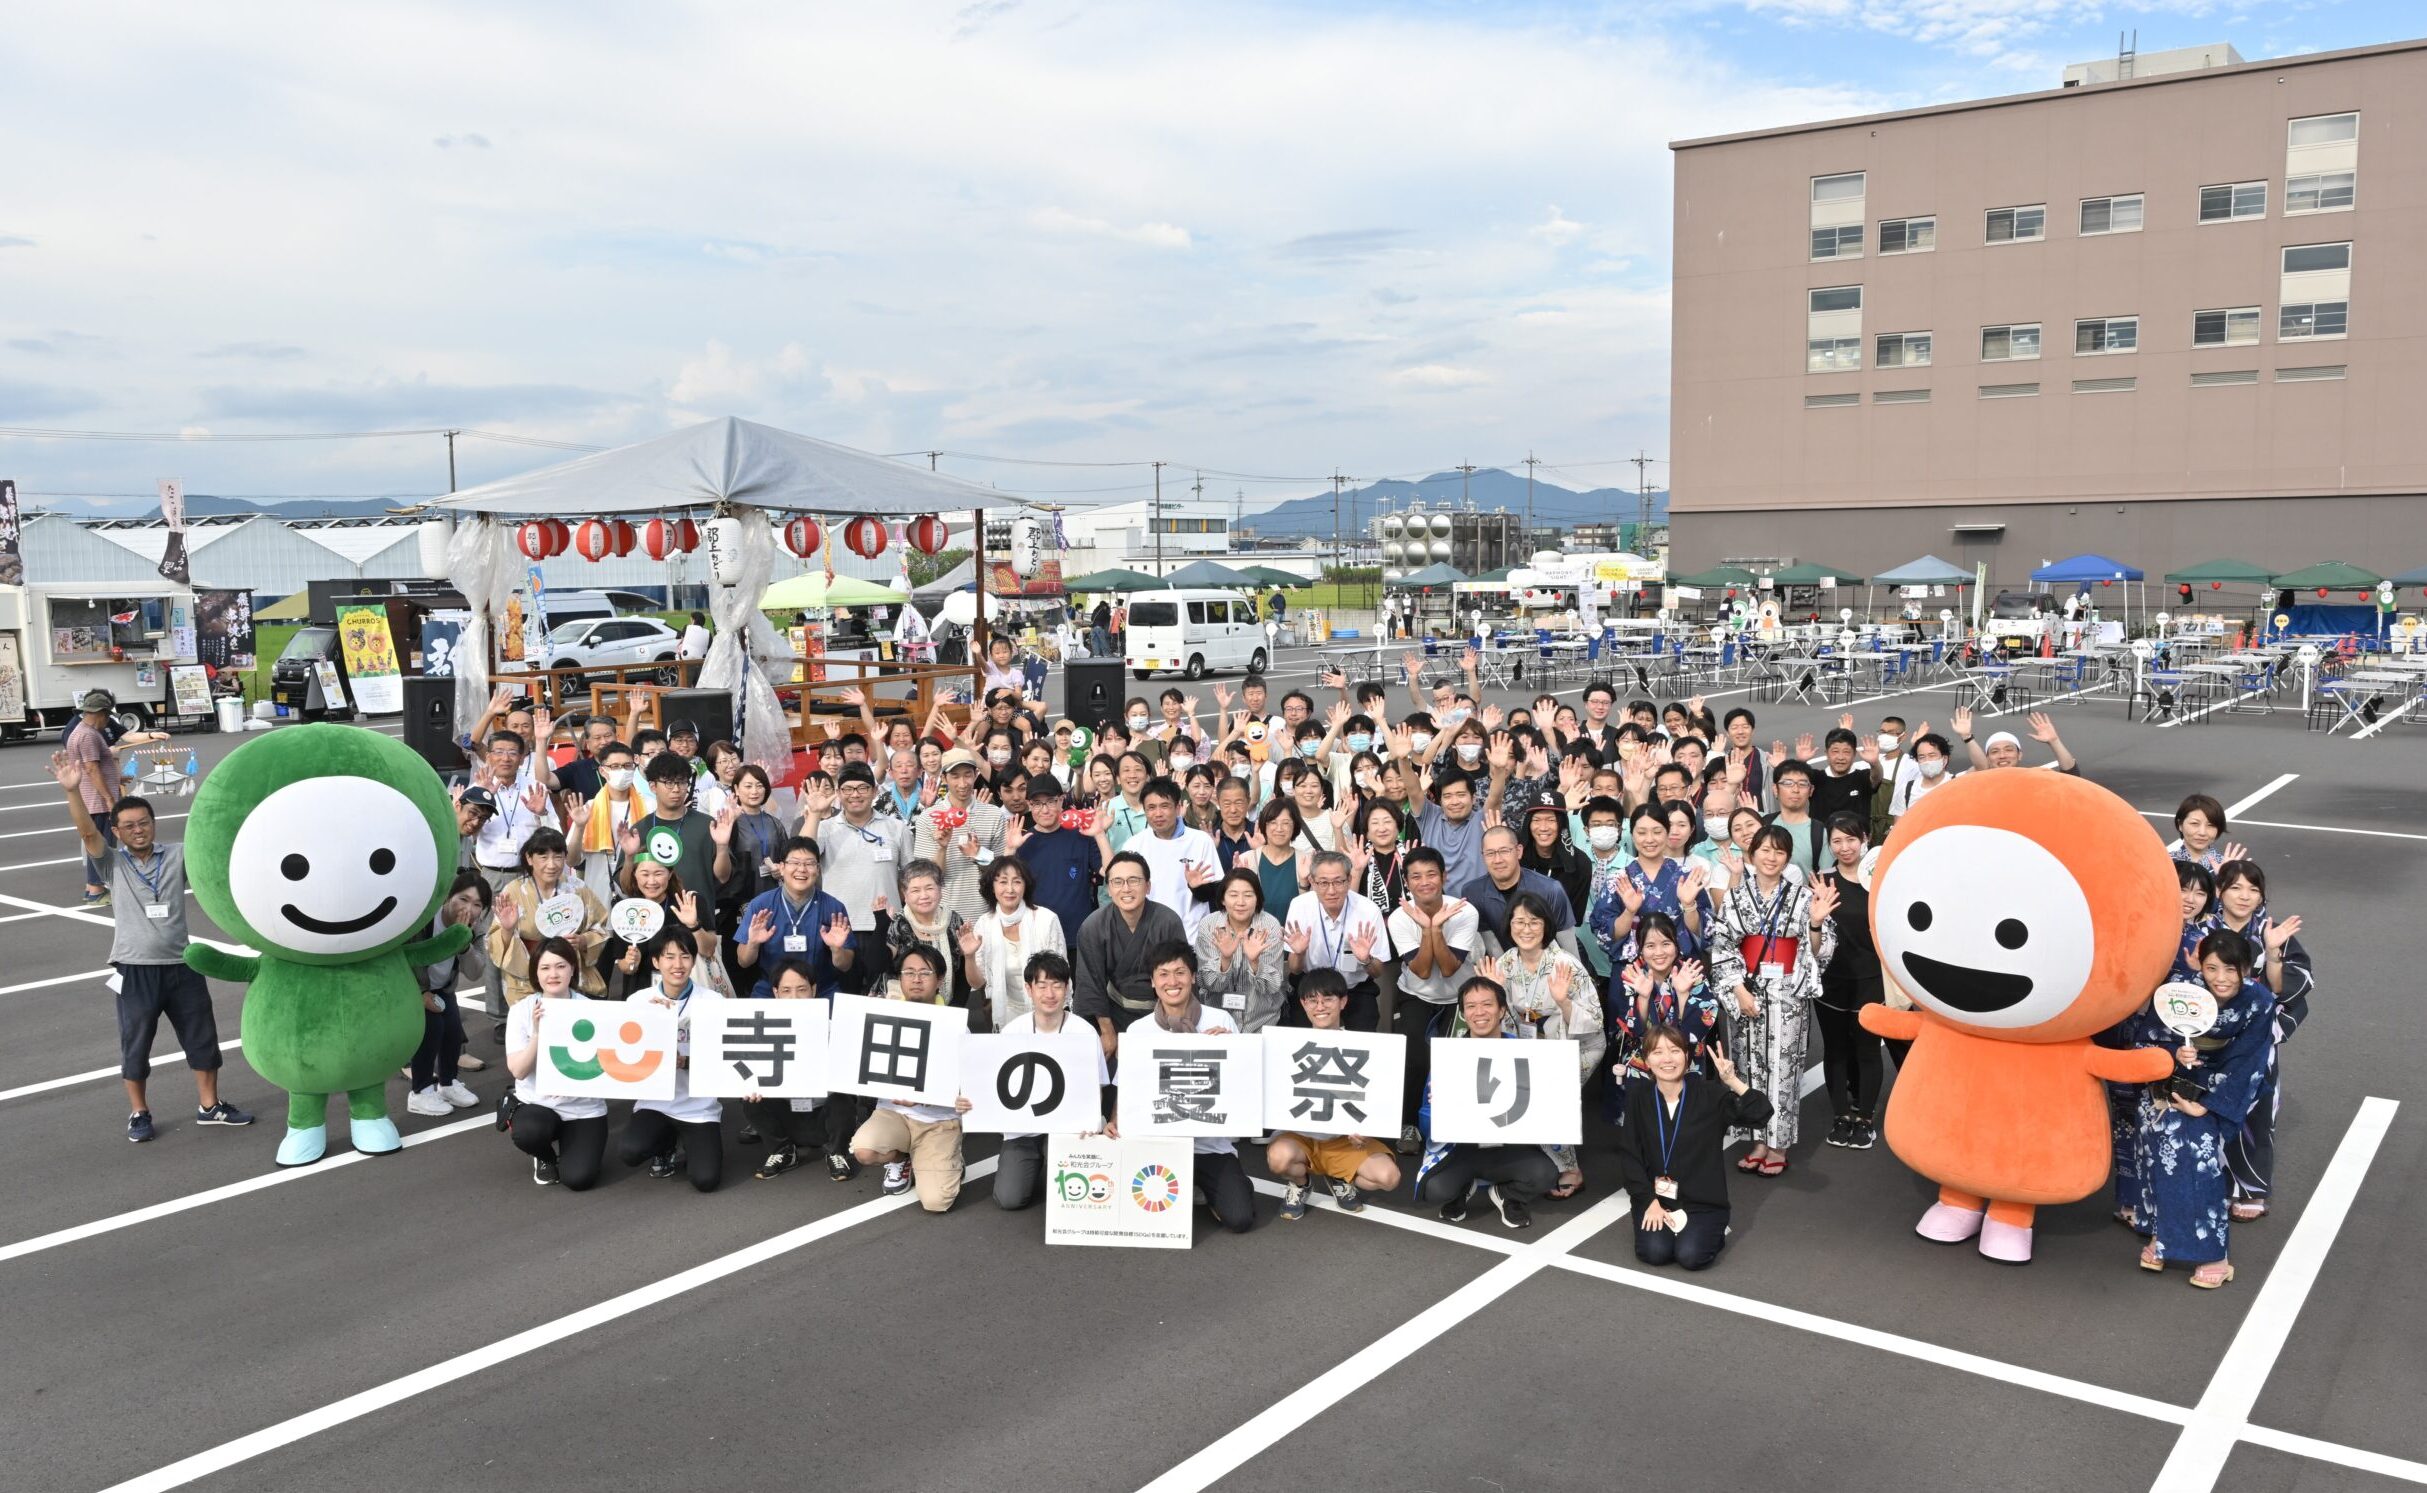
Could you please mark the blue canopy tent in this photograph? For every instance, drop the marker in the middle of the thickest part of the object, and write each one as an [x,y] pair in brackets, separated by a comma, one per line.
[2084,571]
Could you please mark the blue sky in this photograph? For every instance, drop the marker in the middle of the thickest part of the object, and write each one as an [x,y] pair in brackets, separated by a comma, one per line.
[1267,239]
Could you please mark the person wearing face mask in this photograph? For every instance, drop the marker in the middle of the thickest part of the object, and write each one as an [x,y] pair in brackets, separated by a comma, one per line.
[618,803]
[1925,771]
[1893,754]
[1137,725]
[1651,881]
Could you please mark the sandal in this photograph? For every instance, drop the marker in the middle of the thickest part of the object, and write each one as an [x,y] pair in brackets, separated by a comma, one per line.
[1749,1163]
[2150,1259]
[2212,1275]
[1773,1166]
[2124,1217]
[2248,1210]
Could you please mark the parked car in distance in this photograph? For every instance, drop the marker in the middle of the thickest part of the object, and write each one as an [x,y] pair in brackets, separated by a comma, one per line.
[605,643]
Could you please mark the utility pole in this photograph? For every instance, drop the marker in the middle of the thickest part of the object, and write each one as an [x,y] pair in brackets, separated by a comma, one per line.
[931,456]
[1199,490]
[1531,462]
[1337,483]
[1643,500]
[451,459]
[1158,520]
[1466,495]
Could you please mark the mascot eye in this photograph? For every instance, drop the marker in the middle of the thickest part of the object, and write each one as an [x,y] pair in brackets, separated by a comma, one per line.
[294,868]
[2012,934]
[383,860]
[1919,916]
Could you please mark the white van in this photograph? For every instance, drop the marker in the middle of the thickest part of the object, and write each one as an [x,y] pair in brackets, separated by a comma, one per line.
[1193,631]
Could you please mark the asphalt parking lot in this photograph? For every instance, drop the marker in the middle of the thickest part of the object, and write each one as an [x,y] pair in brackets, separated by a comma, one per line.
[186,1314]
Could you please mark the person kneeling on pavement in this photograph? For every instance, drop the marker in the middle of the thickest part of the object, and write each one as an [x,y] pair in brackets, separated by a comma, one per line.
[789,1124]
[1450,1173]
[1669,1150]
[1019,1171]
[565,1135]
[1347,1163]
[918,1144]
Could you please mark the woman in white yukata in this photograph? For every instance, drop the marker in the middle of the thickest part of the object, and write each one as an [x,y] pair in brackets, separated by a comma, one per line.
[1770,940]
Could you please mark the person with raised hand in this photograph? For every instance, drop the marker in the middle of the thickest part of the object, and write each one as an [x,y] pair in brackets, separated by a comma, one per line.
[1670,1150]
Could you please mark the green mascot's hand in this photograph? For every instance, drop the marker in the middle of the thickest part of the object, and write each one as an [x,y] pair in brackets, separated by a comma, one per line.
[449,943]
[218,964]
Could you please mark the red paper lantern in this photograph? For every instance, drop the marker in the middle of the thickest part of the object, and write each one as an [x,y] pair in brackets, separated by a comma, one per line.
[659,538]
[2321,593]
[927,534]
[532,540]
[626,537]
[2216,585]
[2106,583]
[802,536]
[594,540]
[560,535]
[1731,593]
[865,536]
[686,535]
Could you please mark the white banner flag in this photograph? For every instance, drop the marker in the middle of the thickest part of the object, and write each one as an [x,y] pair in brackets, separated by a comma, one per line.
[773,1048]
[1497,1091]
[896,1050]
[1333,1083]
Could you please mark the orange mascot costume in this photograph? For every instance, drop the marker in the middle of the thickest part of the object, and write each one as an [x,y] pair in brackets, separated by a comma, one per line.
[2024,912]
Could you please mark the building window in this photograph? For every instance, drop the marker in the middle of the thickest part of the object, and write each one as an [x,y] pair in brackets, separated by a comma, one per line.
[1837,243]
[2323,129]
[2014,225]
[2106,334]
[2009,344]
[2105,385]
[2319,192]
[1907,235]
[1903,350]
[2221,380]
[1901,396]
[1833,329]
[1832,354]
[2302,259]
[2310,375]
[1844,187]
[1837,216]
[1830,401]
[2110,215]
[2008,391]
[2313,319]
[2231,327]
[2241,199]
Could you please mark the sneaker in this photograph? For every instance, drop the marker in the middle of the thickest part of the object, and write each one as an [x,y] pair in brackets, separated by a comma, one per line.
[1454,1211]
[457,1095]
[543,1171]
[1409,1141]
[1345,1194]
[841,1168]
[222,1113]
[1865,1135]
[1841,1132]
[897,1178]
[470,1064]
[1293,1200]
[139,1125]
[95,901]
[1513,1211]
[661,1167]
[777,1163]
[428,1101]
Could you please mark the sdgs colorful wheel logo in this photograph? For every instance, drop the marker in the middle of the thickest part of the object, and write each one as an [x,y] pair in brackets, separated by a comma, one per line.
[1154,1188]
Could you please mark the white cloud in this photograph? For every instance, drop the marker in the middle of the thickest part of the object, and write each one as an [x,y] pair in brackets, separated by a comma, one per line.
[1437,376]
[1153,235]
[1557,230]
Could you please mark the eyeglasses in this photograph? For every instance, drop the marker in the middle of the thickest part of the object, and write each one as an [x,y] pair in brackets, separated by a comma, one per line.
[1323,995]
[1125,881]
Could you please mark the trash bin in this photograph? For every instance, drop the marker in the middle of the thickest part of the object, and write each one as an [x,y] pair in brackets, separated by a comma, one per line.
[231,713]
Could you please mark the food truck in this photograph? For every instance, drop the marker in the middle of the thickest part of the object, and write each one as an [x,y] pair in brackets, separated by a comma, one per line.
[135,639]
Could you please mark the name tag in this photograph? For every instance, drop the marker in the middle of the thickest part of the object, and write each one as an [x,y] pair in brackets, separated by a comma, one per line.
[156,910]
[795,943]
[1665,1189]
[1234,1001]
[882,854]
[1773,974]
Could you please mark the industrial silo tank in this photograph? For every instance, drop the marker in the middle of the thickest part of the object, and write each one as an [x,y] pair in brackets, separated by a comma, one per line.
[1442,525]
[1390,526]
[1440,549]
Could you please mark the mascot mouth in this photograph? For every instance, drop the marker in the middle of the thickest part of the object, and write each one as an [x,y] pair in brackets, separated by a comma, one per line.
[310,924]
[1966,989]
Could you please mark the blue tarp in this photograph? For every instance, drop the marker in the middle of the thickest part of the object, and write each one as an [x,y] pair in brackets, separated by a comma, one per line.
[2314,620]
[2086,568]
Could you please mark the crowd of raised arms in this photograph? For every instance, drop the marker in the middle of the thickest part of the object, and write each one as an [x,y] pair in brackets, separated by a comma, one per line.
[1648,879]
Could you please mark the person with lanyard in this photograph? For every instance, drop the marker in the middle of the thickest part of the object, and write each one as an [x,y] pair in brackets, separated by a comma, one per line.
[919,1145]
[1849,1052]
[145,881]
[1019,1170]
[1329,929]
[544,903]
[792,1123]
[1659,989]
[1113,981]
[1242,965]
[624,961]
[474,807]
[697,848]
[2187,1122]
[565,1135]
[1234,829]
[794,922]
[995,949]
[1450,1172]
[522,809]
[861,853]
[1377,865]
[1653,881]
[600,822]
[1670,1150]
[438,1088]
[1769,941]
[1348,1164]
[684,1134]
[1504,876]
[960,835]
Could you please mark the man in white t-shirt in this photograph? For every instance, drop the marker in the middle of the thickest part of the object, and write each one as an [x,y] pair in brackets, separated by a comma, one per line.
[1329,929]
[918,1144]
[1433,936]
[1019,1170]
[695,637]
[1186,873]
[1172,967]
[864,851]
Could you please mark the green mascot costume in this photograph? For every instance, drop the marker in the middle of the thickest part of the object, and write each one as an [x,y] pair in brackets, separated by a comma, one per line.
[328,848]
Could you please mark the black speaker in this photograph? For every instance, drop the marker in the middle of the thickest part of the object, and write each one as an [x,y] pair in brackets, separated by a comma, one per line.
[709,709]
[1091,690]
[429,721]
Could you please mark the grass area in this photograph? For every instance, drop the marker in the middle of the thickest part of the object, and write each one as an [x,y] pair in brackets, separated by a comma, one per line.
[269,640]
[1331,597]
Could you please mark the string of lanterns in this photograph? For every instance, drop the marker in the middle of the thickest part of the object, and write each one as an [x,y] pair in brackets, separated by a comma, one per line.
[599,539]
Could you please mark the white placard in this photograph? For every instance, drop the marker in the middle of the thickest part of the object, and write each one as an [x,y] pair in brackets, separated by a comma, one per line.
[1498,1091]
[607,1049]
[896,1050]
[1333,1083]
[773,1048]
[1133,1193]
[1181,1083]
[1033,1083]
[636,919]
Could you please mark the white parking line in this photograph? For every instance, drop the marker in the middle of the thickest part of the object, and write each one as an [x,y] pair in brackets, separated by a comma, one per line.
[2387,719]
[95,975]
[464,1365]
[2223,1413]
[159,1059]
[1301,1405]
[73,860]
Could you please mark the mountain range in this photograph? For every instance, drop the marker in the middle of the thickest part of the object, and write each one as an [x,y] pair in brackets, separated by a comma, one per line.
[1488,488]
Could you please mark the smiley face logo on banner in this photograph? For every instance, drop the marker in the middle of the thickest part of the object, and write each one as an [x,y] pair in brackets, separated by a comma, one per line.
[2186,1007]
[558,917]
[604,1059]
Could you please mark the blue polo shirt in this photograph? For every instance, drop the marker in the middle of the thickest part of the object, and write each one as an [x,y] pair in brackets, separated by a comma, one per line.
[807,922]
[1066,866]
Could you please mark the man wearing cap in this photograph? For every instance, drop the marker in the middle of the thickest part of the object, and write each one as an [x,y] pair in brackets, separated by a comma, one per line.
[682,739]
[960,834]
[93,749]
[2004,748]
[863,852]
[474,807]
[1065,861]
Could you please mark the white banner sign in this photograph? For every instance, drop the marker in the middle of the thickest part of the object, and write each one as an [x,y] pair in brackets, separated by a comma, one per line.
[775,1049]
[1033,1083]
[1333,1083]
[1119,1192]
[1178,1083]
[607,1049]
[896,1050]
[1497,1091]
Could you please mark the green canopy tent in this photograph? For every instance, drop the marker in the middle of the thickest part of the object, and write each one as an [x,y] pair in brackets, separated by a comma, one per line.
[1717,578]
[1266,575]
[2240,572]
[2333,575]
[1809,574]
[1115,579]
[1208,573]
[811,591]
[1431,577]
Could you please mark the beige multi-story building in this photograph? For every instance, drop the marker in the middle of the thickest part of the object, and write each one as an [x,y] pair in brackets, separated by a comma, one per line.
[2168,317]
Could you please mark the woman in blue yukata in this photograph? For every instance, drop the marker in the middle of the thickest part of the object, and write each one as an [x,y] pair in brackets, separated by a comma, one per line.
[1654,881]
[2143,1029]
[2186,1123]
[1660,989]
[2286,969]
[2201,823]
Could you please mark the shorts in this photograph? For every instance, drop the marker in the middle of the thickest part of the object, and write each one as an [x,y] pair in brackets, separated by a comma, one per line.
[933,1146]
[147,992]
[1336,1156]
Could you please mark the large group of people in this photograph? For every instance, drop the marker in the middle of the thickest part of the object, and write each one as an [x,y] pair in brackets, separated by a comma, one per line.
[1643,878]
